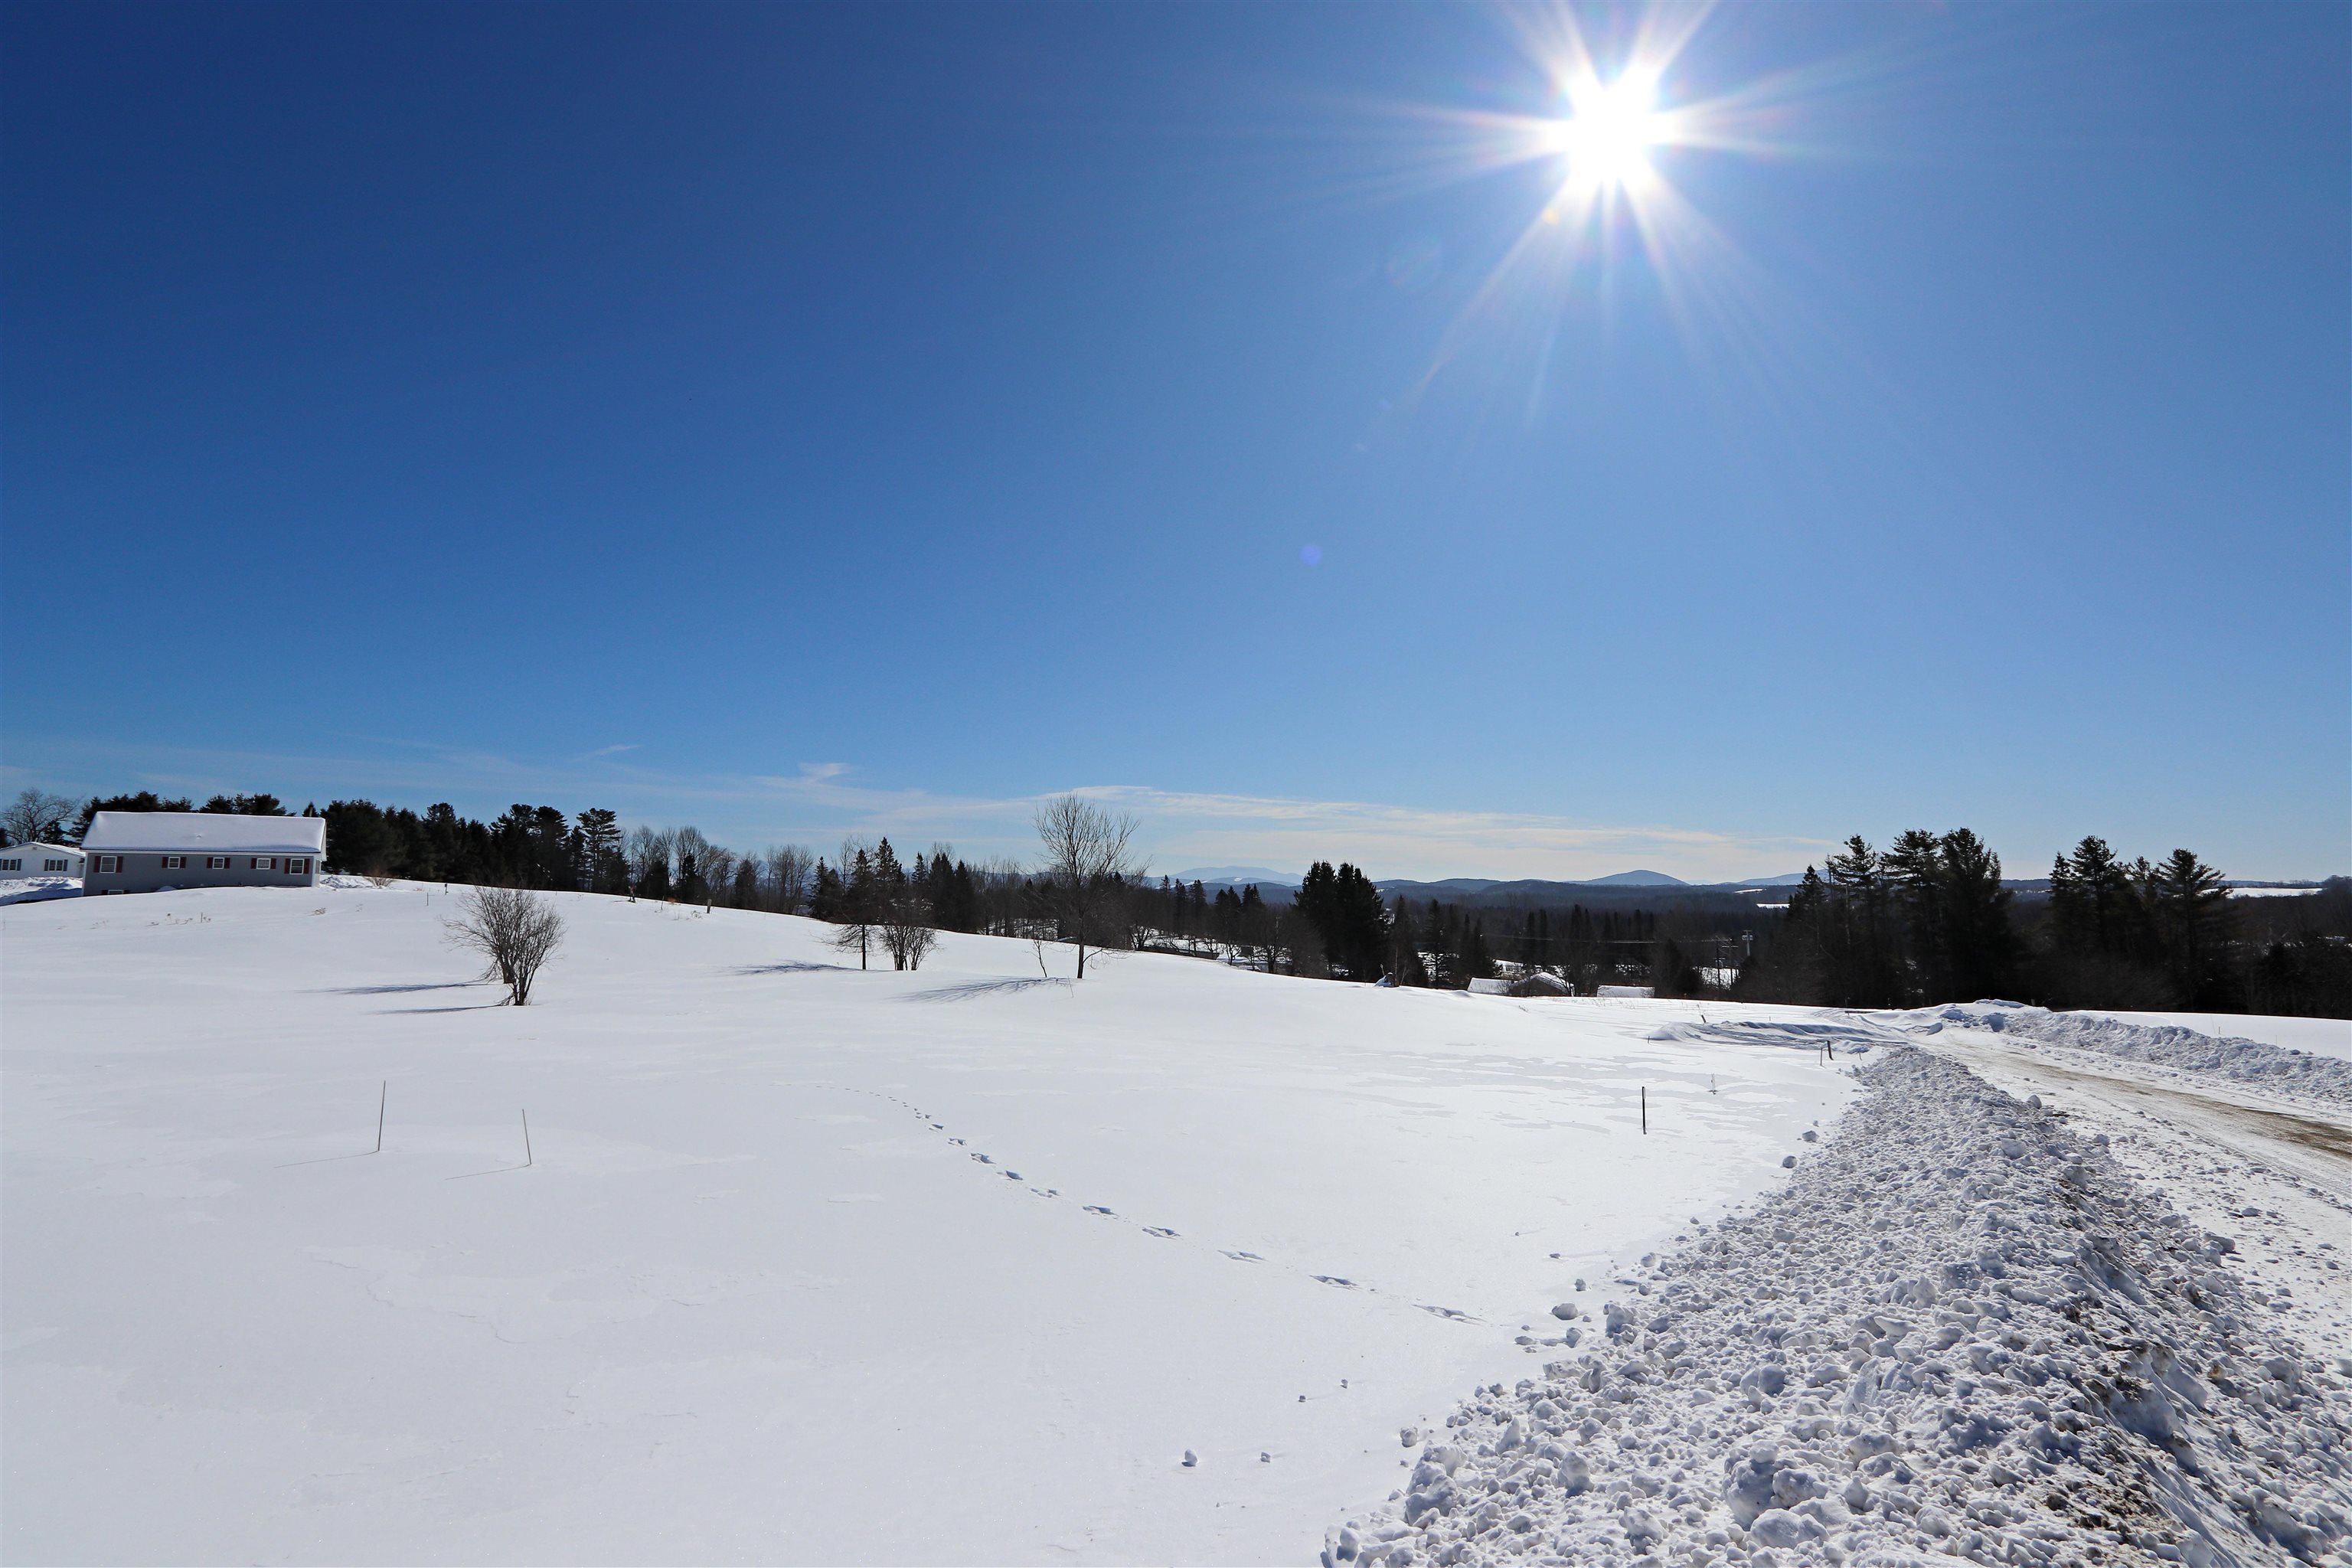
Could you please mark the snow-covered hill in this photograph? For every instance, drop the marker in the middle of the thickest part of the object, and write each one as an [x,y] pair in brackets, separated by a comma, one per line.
[806,1264]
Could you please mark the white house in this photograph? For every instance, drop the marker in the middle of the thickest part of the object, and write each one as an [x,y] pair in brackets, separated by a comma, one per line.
[21,860]
[144,851]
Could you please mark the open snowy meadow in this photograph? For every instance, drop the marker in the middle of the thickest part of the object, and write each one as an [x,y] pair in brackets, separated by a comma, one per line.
[802,1264]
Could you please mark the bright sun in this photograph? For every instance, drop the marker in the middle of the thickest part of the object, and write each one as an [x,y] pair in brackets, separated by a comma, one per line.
[1609,136]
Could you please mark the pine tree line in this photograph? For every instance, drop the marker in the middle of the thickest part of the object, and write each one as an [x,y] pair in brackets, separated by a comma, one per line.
[1928,920]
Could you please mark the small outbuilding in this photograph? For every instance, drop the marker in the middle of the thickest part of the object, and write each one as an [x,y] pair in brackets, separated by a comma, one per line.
[147,851]
[19,861]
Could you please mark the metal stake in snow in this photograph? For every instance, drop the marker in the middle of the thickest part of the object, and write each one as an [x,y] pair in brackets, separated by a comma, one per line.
[506,1169]
[1645,1110]
[383,1091]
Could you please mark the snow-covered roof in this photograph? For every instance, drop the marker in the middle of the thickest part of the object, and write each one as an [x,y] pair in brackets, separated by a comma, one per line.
[42,846]
[206,832]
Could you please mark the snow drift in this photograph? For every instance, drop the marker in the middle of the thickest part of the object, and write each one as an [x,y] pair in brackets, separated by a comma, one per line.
[1960,1330]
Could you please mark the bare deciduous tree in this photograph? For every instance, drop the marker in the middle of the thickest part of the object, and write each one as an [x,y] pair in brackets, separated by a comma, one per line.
[515,930]
[717,867]
[648,854]
[37,816]
[1088,860]
[790,866]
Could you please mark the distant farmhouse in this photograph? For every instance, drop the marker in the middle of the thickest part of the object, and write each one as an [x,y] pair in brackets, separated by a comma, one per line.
[145,851]
[21,860]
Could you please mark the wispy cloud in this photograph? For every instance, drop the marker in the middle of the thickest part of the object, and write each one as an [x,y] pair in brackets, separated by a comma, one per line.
[820,802]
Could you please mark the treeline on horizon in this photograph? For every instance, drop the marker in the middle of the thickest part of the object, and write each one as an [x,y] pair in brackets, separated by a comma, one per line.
[1925,920]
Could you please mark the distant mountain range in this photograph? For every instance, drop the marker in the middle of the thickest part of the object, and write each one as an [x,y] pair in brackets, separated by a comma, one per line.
[1623,889]
[1236,876]
[1278,885]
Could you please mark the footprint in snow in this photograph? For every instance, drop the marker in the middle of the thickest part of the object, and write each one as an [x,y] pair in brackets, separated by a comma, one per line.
[1245,1256]
[1445,1312]
[957,1141]
[1012,1175]
[1158,1230]
[1344,1284]
[983,1159]
[1097,1208]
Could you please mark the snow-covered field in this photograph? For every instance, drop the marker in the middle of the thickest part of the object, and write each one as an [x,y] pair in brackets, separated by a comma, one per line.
[806,1265]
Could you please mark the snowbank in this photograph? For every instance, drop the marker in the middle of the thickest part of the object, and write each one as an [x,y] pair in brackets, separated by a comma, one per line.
[36,890]
[2320,1036]
[1960,1330]
[2187,1050]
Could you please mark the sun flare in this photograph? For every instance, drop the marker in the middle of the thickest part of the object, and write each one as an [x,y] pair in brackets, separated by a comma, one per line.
[1609,133]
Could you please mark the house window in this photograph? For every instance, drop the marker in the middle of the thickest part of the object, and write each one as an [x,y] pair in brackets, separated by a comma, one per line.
[265,862]
[109,863]
[175,862]
[11,864]
[296,866]
[53,864]
[216,862]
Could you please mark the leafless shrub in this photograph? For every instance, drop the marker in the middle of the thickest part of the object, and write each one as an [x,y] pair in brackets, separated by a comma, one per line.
[515,930]
[908,941]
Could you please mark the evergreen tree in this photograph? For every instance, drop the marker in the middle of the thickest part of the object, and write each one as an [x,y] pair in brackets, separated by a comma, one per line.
[1977,943]
[1438,946]
[600,865]
[1914,871]
[1350,922]
[826,896]
[1405,965]
[244,805]
[1857,954]
[859,907]
[2191,916]
[1472,960]
[145,800]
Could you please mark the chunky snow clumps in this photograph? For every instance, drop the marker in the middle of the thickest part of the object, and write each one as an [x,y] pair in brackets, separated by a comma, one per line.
[2162,1045]
[1961,1331]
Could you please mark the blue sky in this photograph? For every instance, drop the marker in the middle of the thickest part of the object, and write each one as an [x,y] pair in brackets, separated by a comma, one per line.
[793,420]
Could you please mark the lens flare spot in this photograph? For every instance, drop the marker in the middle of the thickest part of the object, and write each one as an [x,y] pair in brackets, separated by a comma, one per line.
[1414,262]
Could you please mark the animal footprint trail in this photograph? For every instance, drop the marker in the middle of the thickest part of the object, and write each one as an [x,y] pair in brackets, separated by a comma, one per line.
[1162,1232]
